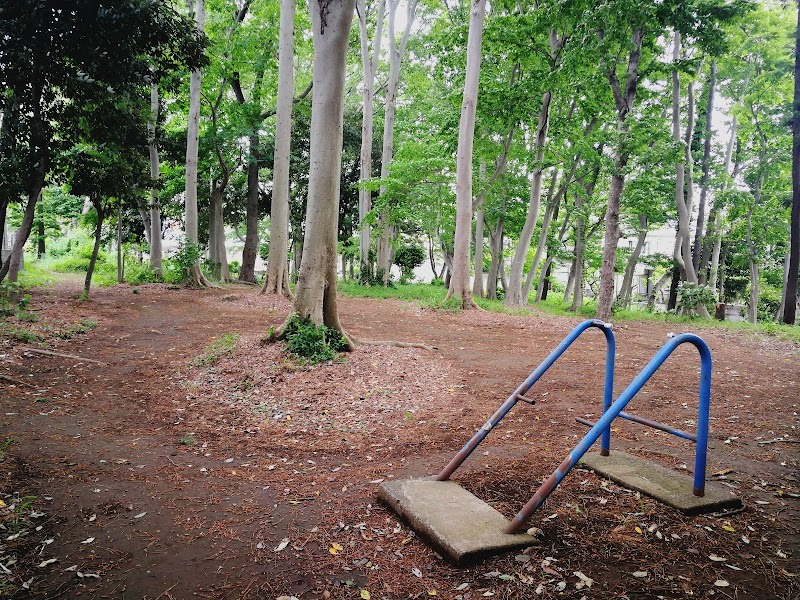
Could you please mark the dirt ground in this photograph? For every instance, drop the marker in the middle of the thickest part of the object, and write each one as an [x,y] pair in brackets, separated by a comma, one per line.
[179,468]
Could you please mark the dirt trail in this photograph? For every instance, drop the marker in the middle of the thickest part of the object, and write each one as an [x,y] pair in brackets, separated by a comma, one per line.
[272,452]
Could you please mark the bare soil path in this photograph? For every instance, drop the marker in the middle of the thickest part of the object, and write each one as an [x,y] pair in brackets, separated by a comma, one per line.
[182,468]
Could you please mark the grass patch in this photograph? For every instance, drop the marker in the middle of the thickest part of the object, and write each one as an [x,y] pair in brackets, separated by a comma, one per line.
[219,348]
[20,334]
[34,275]
[70,331]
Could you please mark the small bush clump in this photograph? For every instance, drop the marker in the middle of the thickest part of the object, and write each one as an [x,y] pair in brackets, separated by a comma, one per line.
[316,344]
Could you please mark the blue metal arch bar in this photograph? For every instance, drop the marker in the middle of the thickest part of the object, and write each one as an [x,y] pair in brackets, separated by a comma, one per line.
[519,394]
[604,423]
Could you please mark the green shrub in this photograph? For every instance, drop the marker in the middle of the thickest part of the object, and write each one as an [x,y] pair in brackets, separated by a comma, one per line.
[408,257]
[315,344]
[437,281]
[185,257]
[691,294]
[139,272]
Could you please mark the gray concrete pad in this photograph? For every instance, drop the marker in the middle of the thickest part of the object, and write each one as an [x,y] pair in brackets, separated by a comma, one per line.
[456,522]
[665,485]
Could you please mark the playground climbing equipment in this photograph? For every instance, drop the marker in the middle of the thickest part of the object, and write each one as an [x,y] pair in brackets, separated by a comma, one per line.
[396,494]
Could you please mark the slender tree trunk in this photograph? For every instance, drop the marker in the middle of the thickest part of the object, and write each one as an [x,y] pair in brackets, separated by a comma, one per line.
[315,298]
[40,249]
[683,182]
[120,274]
[514,295]
[541,289]
[633,259]
[789,314]
[698,236]
[477,281]
[192,145]
[144,214]
[11,266]
[459,282]
[247,272]
[216,238]
[496,249]
[87,284]
[779,316]
[388,231]
[752,310]
[651,299]
[370,65]
[277,279]
[155,209]
[624,100]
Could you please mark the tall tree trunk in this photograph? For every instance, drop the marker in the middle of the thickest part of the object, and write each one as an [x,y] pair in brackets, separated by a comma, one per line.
[192,142]
[396,52]
[633,259]
[144,214]
[698,236]
[651,299]
[514,294]
[477,281]
[247,272]
[370,66]
[577,274]
[459,287]
[683,184]
[789,314]
[496,249]
[216,233]
[624,100]
[277,279]
[155,209]
[120,274]
[87,284]
[779,316]
[315,298]
[752,310]
[11,266]
[543,285]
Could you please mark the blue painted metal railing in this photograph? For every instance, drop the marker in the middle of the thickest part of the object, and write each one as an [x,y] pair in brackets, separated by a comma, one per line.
[602,427]
[519,393]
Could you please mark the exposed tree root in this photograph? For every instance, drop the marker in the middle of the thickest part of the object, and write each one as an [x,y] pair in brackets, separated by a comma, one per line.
[396,344]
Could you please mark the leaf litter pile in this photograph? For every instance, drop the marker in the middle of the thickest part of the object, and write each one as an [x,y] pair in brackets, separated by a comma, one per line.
[272,466]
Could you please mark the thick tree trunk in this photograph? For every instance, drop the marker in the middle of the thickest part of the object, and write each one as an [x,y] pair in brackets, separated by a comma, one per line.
[192,145]
[624,100]
[790,311]
[87,284]
[216,234]
[370,65]
[459,287]
[277,279]
[316,287]
[514,294]
[155,209]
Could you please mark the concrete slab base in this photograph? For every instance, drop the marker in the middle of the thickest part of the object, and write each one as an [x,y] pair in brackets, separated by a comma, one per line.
[456,522]
[665,485]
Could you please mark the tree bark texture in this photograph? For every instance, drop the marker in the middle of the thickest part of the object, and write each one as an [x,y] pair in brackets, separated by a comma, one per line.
[789,313]
[192,145]
[514,293]
[370,66]
[708,133]
[396,53]
[277,279]
[87,283]
[247,272]
[155,209]
[624,100]
[459,287]
[316,287]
